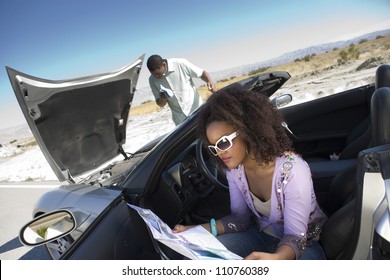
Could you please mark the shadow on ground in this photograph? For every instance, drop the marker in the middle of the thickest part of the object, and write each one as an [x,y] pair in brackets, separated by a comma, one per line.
[10,245]
[36,253]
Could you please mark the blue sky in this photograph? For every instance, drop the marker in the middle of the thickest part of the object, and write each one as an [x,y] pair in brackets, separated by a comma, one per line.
[55,39]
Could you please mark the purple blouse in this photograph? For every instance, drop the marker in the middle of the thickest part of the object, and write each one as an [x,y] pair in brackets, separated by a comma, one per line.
[295,216]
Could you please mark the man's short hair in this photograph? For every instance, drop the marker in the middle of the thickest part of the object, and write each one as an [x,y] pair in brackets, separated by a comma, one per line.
[154,62]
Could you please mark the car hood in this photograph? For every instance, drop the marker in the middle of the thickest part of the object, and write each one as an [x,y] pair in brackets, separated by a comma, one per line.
[78,123]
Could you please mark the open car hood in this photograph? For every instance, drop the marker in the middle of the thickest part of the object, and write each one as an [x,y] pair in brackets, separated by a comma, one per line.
[78,123]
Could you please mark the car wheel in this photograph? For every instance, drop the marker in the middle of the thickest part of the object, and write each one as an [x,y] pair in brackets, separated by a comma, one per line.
[209,167]
[59,246]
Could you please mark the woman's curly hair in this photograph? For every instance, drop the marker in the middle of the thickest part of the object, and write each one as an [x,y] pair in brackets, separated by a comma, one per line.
[252,115]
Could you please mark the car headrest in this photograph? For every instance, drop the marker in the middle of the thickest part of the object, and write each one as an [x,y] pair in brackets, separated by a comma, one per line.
[380,116]
[382,76]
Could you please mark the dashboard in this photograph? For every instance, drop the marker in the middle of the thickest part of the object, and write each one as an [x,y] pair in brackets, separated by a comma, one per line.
[183,188]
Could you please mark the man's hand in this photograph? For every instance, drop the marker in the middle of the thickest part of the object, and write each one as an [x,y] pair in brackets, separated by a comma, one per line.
[211,87]
[162,101]
[206,77]
[163,95]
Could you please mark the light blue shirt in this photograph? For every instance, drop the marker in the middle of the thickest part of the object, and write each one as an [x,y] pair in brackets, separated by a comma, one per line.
[178,79]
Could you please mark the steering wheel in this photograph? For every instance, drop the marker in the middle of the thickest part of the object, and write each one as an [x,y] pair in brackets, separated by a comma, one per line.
[216,175]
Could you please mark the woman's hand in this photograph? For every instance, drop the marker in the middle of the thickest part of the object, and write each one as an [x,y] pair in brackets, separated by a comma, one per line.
[261,256]
[284,252]
[180,228]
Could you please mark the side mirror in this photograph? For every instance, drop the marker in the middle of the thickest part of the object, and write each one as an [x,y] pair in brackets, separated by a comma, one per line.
[47,227]
[282,100]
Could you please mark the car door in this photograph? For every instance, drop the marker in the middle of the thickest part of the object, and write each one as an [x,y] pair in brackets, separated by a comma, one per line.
[118,233]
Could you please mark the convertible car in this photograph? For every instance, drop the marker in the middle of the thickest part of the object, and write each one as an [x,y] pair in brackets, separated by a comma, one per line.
[80,125]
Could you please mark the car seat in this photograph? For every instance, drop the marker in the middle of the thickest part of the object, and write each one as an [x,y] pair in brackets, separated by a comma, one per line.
[360,136]
[337,236]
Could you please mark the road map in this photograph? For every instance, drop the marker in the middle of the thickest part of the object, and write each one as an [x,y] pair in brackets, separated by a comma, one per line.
[195,243]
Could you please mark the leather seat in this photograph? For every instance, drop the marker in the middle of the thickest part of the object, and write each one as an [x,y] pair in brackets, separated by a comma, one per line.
[337,237]
[380,117]
[382,77]
[360,136]
[336,234]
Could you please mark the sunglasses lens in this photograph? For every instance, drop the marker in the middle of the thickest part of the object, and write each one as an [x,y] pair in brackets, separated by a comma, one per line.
[223,144]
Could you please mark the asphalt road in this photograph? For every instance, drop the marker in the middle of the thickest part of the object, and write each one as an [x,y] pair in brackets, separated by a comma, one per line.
[16,204]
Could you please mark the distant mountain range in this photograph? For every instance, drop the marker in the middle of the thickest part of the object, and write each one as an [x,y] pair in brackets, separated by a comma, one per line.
[144,94]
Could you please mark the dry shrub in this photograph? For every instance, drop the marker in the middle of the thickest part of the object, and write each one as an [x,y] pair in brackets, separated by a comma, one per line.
[144,108]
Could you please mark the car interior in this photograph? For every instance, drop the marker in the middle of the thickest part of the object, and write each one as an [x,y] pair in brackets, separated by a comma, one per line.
[185,186]
[346,188]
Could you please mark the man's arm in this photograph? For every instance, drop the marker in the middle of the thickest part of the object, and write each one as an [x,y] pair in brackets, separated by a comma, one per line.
[206,77]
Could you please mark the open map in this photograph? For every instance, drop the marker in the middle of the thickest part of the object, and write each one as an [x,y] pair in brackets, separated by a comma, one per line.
[195,243]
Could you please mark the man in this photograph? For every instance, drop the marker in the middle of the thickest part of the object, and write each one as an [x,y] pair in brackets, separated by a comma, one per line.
[171,81]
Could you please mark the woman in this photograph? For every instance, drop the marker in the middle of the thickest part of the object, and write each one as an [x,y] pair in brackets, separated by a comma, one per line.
[274,212]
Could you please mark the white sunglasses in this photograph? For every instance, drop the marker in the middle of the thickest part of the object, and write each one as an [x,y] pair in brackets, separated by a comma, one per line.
[223,144]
